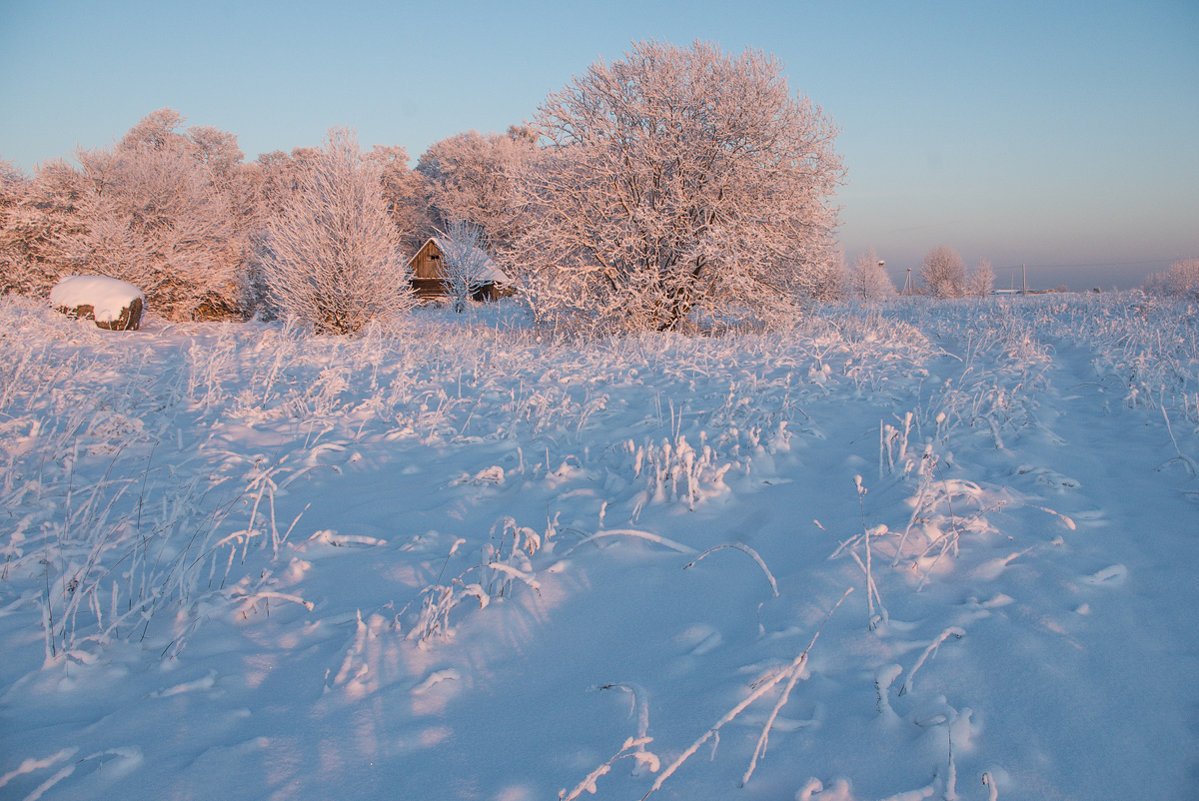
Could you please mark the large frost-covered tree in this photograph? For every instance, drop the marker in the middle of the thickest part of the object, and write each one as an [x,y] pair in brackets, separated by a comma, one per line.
[677,181]
[331,255]
[406,195]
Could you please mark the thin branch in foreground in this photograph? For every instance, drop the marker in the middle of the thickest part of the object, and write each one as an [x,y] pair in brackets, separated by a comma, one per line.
[793,671]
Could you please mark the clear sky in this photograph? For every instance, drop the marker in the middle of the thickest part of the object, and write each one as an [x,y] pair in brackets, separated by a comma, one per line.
[1059,134]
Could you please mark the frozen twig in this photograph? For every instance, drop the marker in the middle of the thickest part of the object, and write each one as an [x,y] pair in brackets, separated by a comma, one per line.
[746,550]
[633,747]
[635,533]
[953,631]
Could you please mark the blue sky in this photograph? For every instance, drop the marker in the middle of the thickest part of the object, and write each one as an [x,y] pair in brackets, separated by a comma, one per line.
[1062,135]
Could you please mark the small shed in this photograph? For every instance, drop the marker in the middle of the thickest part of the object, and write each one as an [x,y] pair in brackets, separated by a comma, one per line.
[431,275]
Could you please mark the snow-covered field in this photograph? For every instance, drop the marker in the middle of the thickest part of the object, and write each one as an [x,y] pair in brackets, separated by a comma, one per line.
[930,550]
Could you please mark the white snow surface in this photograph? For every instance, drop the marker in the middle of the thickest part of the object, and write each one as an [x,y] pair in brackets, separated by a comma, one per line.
[107,296]
[924,550]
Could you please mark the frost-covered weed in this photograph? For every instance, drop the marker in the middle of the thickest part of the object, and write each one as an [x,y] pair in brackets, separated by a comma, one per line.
[676,471]
[943,511]
[506,560]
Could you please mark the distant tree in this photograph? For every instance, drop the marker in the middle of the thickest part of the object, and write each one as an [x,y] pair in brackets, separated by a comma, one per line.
[154,218]
[982,279]
[465,260]
[407,194]
[40,227]
[12,184]
[678,181]
[523,133]
[944,272]
[868,280]
[331,256]
[14,189]
[170,211]
[158,130]
[1182,278]
[164,209]
[279,176]
[471,177]
[215,150]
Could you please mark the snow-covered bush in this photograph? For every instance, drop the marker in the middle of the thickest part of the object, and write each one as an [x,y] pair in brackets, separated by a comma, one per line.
[868,280]
[467,265]
[676,181]
[944,272]
[331,255]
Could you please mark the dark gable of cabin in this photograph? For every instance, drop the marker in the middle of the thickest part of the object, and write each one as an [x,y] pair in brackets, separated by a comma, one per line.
[428,272]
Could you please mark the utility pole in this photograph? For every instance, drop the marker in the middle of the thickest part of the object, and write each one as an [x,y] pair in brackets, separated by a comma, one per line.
[1024,279]
[907,284]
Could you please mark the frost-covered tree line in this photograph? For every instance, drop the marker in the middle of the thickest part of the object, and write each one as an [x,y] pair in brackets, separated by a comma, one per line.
[673,185]
[168,210]
[318,233]
[1181,278]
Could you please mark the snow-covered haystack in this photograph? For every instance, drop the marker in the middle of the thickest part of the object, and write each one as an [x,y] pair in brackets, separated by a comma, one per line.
[113,304]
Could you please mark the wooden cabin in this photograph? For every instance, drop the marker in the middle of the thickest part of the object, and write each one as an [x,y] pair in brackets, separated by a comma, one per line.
[430,276]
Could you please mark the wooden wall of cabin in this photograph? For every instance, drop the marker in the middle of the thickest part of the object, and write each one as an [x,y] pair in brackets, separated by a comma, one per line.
[427,264]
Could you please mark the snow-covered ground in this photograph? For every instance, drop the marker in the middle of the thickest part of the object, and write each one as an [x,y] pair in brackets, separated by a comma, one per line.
[931,550]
